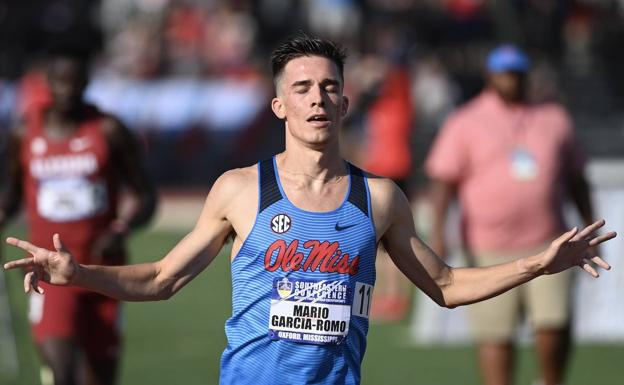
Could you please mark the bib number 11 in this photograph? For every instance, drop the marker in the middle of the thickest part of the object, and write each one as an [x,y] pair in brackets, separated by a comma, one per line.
[362,297]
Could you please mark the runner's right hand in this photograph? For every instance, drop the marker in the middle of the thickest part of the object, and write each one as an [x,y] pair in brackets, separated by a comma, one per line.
[56,267]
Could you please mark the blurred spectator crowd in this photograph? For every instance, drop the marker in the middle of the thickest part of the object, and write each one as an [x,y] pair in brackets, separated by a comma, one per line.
[193,77]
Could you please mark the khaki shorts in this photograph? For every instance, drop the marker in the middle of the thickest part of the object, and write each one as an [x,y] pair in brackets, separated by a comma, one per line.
[545,300]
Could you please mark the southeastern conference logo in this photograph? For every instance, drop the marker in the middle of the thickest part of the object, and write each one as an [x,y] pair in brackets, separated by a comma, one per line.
[284,287]
[280,223]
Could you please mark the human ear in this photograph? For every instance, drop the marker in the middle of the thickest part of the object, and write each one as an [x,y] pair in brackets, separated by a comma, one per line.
[278,108]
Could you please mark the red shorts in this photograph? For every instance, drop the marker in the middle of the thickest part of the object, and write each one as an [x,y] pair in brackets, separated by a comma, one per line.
[90,319]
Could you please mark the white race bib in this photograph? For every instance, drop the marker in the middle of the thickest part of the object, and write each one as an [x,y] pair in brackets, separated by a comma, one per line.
[308,311]
[71,199]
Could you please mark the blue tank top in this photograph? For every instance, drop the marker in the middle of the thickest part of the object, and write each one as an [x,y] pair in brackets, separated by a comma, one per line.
[301,290]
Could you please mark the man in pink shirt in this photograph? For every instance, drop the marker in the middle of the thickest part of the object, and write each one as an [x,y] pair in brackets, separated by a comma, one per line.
[511,164]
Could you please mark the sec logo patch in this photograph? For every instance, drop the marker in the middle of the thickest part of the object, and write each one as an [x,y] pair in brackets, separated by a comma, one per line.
[280,223]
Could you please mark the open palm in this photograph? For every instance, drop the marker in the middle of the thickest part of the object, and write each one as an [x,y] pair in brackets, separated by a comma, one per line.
[572,249]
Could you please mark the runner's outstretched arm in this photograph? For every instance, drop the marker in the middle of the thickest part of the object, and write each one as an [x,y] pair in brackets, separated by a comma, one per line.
[450,287]
[141,282]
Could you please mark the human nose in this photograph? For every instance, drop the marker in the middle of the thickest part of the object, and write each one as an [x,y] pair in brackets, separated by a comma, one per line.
[317,97]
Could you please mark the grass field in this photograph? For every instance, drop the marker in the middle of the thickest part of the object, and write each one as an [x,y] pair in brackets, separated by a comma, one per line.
[180,341]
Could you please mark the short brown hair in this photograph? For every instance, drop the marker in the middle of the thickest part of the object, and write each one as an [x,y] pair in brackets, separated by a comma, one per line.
[302,44]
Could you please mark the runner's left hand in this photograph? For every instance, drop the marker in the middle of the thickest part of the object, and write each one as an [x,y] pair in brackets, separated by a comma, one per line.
[571,249]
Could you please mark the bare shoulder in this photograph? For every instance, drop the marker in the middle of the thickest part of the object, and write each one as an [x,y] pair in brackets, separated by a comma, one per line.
[120,137]
[386,200]
[381,189]
[236,180]
[234,186]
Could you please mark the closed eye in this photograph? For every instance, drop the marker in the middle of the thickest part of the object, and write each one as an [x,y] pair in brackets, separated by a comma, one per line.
[301,86]
[330,85]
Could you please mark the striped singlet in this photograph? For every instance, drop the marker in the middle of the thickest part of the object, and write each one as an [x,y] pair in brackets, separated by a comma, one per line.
[301,290]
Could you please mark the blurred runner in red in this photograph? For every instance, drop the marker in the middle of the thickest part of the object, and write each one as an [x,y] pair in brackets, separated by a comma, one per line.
[68,161]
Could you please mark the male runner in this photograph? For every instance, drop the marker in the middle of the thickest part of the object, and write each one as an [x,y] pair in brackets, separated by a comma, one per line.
[68,161]
[306,225]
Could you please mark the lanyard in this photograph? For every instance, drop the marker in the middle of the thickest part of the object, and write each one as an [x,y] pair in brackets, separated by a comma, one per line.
[523,165]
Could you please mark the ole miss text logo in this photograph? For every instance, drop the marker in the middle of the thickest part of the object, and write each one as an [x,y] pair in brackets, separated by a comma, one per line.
[325,257]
